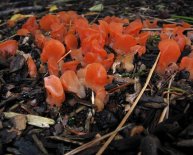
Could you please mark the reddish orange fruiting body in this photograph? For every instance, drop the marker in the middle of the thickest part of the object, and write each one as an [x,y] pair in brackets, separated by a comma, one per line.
[8,48]
[52,49]
[170,53]
[54,89]
[32,69]
[71,83]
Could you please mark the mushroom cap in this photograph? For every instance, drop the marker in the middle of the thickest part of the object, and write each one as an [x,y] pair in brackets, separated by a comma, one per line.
[71,83]
[71,41]
[31,25]
[52,49]
[32,69]
[54,89]
[170,53]
[8,48]
[53,67]
[96,75]
[47,21]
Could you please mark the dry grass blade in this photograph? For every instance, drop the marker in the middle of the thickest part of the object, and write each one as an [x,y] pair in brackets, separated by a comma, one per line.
[102,149]
[166,109]
[93,142]
[65,140]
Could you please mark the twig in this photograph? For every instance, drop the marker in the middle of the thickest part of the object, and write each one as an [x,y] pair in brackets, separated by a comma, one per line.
[102,149]
[93,142]
[160,29]
[64,139]
[64,56]
[8,38]
[2,24]
[22,9]
[163,20]
[119,87]
[39,144]
[9,100]
[39,121]
[166,109]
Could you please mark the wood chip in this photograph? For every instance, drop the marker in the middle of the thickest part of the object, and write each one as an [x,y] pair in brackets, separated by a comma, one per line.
[34,120]
[19,122]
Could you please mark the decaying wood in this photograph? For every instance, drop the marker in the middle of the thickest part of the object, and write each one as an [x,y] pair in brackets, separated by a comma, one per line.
[34,120]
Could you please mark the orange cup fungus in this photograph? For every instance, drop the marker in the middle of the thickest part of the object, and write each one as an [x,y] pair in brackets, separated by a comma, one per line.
[54,89]
[47,21]
[8,48]
[58,31]
[95,75]
[53,67]
[71,41]
[32,69]
[23,32]
[170,53]
[70,65]
[71,83]
[31,25]
[187,64]
[96,78]
[52,49]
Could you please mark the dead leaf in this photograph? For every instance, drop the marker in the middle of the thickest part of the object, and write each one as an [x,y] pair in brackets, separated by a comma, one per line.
[17,17]
[53,8]
[98,7]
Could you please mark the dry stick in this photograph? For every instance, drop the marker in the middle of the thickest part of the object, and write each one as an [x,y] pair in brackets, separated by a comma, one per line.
[166,109]
[160,29]
[102,149]
[8,38]
[39,144]
[64,56]
[91,143]
[162,20]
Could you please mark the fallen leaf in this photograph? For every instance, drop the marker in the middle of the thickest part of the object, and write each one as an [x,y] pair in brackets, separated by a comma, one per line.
[53,8]
[98,7]
[17,17]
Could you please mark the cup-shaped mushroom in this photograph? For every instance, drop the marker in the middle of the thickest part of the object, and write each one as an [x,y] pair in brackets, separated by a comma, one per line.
[54,89]
[100,98]
[170,53]
[122,43]
[8,48]
[32,69]
[187,64]
[31,25]
[134,27]
[47,21]
[70,65]
[95,76]
[52,49]
[71,42]
[53,67]
[71,83]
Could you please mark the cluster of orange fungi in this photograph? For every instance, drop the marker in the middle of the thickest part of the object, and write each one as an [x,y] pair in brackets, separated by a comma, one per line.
[68,32]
